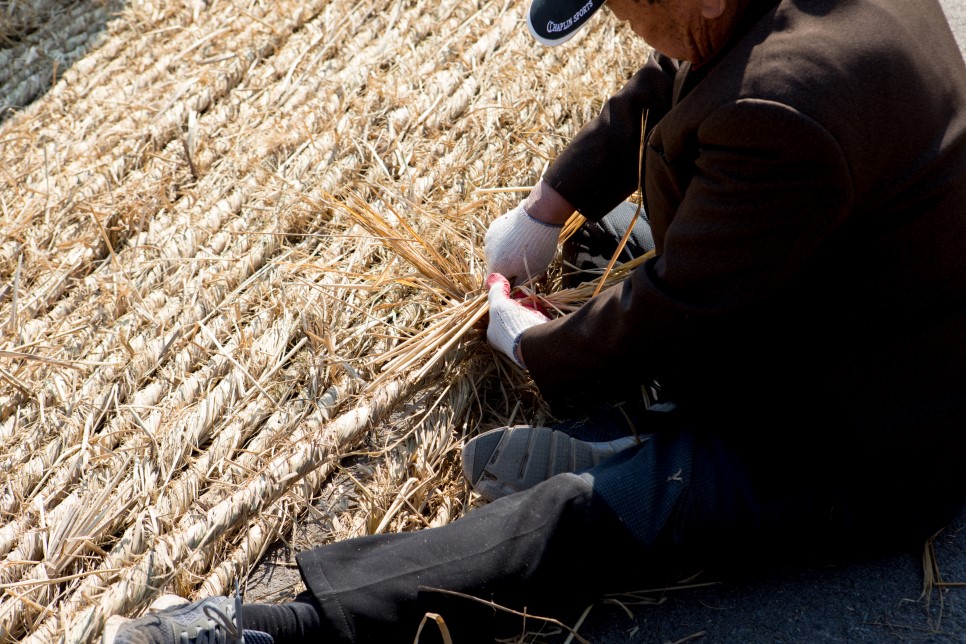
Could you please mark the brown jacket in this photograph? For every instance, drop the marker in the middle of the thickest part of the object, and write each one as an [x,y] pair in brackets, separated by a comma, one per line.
[807,194]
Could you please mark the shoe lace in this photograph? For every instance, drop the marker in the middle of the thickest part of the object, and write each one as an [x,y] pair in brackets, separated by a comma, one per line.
[223,629]
[227,629]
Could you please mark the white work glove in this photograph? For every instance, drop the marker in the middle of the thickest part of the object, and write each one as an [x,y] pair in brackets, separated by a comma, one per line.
[508,319]
[518,246]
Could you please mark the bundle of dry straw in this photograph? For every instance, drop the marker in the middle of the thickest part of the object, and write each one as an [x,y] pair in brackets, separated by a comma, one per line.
[463,300]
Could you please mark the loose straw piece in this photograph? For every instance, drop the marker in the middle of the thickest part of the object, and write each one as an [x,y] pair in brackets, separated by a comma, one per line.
[637,213]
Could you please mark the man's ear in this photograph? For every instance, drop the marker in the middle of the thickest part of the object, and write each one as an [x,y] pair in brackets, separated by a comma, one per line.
[711,9]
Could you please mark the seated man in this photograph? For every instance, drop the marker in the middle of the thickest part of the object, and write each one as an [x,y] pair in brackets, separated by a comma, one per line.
[803,322]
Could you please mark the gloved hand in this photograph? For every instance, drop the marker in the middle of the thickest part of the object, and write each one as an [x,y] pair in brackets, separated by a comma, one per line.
[518,246]
[508,319]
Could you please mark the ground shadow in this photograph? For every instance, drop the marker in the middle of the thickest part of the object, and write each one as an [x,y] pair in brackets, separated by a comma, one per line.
[40,40]
[873,600]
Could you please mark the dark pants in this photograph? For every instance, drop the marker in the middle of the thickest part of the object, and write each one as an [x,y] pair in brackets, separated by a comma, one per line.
[684,497]
[546,551]
[551,550]
[684,500]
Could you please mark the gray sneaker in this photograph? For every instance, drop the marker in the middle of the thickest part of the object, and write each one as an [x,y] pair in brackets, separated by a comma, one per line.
[213,620]
[510,459]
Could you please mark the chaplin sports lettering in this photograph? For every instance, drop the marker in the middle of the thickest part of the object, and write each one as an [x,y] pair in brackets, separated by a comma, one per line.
[556,27]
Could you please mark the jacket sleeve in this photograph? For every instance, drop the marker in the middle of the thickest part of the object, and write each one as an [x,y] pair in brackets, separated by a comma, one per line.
[599,168]
[767,187]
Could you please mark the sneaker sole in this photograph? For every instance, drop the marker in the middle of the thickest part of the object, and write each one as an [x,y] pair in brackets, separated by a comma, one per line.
[510,459]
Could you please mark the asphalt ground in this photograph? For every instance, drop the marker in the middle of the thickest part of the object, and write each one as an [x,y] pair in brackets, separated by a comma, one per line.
[870,600]
[956,14]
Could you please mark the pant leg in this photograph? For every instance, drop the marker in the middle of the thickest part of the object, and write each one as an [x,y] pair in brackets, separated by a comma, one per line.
[295,621]
[630,523]
[550,550]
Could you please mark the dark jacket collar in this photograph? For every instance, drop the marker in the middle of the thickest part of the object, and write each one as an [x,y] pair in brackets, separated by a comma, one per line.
[690,75]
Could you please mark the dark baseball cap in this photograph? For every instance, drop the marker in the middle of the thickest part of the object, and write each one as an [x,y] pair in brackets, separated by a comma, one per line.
[553,22]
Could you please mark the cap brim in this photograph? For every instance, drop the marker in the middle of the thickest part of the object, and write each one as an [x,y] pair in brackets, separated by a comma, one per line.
[553,22]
